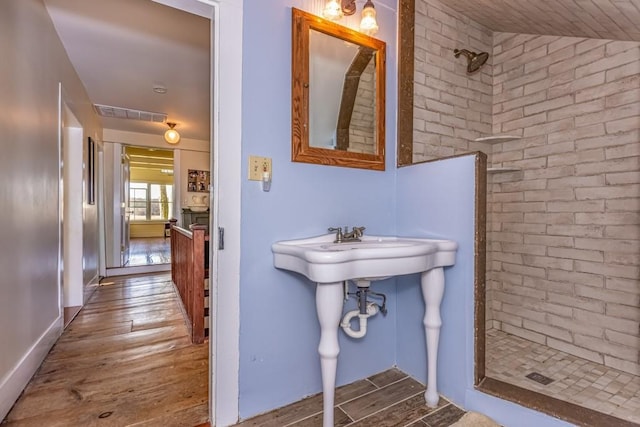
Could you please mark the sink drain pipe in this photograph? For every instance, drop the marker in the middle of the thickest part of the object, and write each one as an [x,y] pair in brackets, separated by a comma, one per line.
[371,310]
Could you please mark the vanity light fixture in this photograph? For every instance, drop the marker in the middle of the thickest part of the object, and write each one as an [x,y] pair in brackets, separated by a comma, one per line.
[334,10]
[171,135]
[368,24]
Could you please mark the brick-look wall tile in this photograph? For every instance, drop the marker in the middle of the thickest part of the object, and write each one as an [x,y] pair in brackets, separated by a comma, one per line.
[596,132]
[632,204]
[594,356]
[610,88]
[575,326]
[564,238]
[589,44]
[548,128]
[448,103]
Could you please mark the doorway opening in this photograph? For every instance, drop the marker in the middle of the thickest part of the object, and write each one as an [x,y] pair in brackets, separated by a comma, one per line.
[151,198]
[71,193]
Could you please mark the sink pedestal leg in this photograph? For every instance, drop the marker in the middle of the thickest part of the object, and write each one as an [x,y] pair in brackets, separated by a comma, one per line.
[432,282]
[329,306]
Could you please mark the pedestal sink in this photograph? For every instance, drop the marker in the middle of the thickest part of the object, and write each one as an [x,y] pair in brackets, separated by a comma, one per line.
[373,258]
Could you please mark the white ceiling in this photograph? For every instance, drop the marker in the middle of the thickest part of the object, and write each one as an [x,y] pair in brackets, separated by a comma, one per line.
[600,19]
[122,48]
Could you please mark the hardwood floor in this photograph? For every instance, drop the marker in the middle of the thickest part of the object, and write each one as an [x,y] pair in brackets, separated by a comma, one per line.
[149,251]
[390,398]
[125,360]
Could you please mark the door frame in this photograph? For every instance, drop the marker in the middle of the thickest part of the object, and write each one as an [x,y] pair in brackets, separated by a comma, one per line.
[125,209]
[70,182]
[226,161]
[72,209]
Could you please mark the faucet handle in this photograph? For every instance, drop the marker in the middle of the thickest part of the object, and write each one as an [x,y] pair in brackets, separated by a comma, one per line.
[338,232]
[358,231]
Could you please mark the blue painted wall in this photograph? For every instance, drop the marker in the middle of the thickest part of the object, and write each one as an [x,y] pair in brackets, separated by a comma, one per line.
[279,331]
[436,199]
[443,194]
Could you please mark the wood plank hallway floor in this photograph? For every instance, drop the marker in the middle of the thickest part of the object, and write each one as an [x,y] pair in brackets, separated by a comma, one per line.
[125,360]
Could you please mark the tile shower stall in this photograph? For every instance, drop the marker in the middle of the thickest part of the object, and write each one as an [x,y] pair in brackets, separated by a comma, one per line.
[563,231]
[563,198]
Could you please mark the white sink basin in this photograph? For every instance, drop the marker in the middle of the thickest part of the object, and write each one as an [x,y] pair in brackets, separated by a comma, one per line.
[375,257]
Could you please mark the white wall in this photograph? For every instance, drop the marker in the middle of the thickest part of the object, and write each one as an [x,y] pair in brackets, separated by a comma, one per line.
[34,62]
[72,212]
[191,160]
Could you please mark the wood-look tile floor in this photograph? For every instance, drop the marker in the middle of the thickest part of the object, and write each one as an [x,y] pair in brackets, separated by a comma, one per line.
[125,360]
[390,398]
[149,251]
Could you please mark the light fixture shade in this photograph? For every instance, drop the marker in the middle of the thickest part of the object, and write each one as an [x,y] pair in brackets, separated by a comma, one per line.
[171,135]
[332,10]
[368,24]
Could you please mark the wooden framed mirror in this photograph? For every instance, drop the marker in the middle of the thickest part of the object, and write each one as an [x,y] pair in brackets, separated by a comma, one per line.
[337,95]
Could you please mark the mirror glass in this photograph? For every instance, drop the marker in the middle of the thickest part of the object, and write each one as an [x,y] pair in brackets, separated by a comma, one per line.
[341,78]
[337,95]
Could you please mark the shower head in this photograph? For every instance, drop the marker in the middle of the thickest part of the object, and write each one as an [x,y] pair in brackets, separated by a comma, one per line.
[474,60]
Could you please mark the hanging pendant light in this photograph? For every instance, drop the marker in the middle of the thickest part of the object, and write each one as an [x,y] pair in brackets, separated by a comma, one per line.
[171,135]
[368,24]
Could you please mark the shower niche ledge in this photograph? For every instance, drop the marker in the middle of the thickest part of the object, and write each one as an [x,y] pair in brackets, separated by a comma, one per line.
[495,139]
[503,169]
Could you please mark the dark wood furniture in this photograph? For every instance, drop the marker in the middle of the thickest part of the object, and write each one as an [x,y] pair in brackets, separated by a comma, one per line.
[192,217]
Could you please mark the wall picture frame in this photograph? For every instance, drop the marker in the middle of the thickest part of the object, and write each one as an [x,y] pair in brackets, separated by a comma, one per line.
[91,171]
[198,181]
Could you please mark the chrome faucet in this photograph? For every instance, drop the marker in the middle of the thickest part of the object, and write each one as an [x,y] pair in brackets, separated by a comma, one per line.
[354,235]
[347,236]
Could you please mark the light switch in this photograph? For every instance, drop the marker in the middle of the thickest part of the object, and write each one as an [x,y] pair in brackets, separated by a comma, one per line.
[257,167]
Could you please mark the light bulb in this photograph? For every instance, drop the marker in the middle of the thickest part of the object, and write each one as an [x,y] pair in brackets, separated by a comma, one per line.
[332,10]
[368,24]
[171,135]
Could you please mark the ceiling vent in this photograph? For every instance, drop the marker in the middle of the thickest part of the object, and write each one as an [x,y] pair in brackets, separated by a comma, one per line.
[128,113]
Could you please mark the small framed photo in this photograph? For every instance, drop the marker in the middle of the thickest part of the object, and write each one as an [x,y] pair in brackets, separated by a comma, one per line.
[91,171]
[198,181]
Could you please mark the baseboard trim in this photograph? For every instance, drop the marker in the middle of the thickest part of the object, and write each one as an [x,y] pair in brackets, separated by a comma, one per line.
[95,280]
[12,385]
[141,269]
[90,288]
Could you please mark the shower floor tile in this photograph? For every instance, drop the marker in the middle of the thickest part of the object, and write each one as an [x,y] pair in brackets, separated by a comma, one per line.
[510,358]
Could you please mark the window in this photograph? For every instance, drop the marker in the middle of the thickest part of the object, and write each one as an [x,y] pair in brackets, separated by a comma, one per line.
[150,202]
